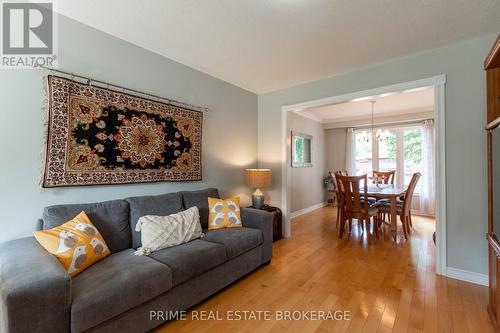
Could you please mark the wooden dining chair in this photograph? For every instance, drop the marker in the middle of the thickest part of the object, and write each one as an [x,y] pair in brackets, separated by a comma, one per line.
[336,194]
[404,207]
[339,195]
[355,207]
[371,200]
[386,176]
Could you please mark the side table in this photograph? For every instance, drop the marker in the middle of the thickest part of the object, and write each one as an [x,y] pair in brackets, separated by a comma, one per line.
[277,221]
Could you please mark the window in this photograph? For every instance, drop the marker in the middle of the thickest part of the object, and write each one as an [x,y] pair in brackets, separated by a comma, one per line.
[363,152]
[387,150]
[412,155]
[301,150]
[399,149]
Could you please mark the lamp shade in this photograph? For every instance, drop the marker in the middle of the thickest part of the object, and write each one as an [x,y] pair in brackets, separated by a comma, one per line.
[258,178]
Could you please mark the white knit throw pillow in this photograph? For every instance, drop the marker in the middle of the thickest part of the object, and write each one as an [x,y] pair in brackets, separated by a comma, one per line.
[159,232]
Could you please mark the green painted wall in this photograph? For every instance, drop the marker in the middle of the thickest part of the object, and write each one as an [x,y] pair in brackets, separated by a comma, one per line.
[465,136]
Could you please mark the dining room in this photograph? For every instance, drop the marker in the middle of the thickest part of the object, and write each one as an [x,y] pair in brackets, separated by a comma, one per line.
[378,162]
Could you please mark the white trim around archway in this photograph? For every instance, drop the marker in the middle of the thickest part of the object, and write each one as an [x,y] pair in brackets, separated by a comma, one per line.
[440,162]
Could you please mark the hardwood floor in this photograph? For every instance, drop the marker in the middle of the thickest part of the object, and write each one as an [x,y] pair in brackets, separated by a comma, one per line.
[387,287]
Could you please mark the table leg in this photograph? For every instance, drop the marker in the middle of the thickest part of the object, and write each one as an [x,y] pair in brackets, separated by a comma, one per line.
[394,218]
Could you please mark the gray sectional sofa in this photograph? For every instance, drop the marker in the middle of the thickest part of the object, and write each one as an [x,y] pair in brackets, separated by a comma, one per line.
[117,293]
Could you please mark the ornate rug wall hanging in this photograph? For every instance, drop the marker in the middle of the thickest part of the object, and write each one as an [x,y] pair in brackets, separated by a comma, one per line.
[100,136]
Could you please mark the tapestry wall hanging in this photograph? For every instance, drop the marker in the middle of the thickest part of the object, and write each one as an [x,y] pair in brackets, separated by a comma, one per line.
[100,136]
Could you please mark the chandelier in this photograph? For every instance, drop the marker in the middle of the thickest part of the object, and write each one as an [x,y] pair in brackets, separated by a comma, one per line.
[380,135]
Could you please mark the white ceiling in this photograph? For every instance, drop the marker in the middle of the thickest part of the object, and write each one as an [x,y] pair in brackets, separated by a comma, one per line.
[264,45]
[413,101]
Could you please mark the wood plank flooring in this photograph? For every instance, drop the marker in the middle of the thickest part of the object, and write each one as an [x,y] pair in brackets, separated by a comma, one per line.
[387,287]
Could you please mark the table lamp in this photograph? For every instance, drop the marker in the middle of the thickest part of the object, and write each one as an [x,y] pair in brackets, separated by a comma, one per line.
[258,178]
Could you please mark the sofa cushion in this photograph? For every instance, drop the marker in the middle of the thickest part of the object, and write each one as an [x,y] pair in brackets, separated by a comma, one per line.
[191,259]
[77,244]
[161,205]
[114,285]
[35,290]
[111,218]
[236,240]
[200,200]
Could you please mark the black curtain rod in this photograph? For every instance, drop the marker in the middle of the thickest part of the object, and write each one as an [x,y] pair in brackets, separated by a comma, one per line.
[107,84]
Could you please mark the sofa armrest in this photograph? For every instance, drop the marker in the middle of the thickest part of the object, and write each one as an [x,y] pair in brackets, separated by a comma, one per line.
[35,289]
[260,219]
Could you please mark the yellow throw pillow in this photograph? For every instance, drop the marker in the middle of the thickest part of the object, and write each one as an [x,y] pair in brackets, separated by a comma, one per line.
[224,213]
[77,244]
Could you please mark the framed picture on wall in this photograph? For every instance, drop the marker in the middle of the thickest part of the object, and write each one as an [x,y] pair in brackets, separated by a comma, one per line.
[301,150]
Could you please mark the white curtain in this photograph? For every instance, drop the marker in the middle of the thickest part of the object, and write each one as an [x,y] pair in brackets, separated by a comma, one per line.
[427,197]
[350,152]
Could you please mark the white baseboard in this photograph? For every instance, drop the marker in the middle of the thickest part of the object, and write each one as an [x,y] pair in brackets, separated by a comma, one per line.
[422,213]
[307,209]
[467,276]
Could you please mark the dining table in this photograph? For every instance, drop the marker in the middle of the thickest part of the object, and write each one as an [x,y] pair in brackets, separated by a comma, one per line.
[391,192]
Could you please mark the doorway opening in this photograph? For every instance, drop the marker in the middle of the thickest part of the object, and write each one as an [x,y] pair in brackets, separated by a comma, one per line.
[398,141]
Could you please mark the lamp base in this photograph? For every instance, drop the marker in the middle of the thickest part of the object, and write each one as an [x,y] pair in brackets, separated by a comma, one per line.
[257,199]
